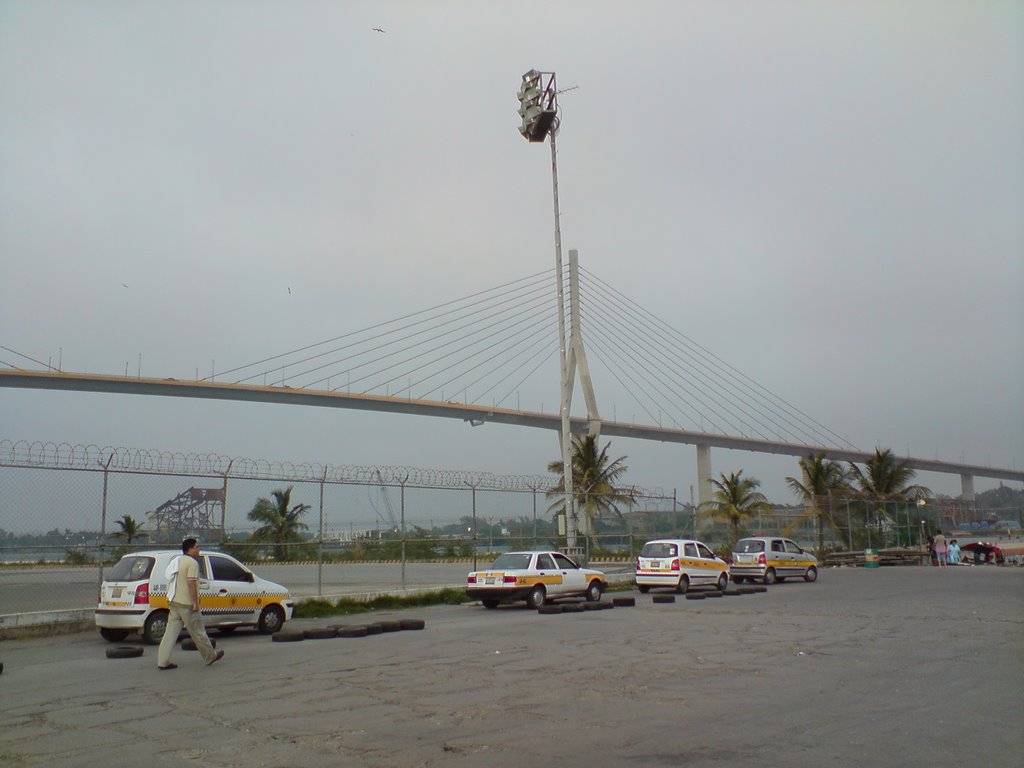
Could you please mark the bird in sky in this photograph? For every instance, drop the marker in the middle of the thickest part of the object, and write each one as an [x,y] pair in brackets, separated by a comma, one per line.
[378,29]
[125,285]
[289,291]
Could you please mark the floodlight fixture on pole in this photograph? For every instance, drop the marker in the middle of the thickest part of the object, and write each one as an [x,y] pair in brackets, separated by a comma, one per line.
[538,108]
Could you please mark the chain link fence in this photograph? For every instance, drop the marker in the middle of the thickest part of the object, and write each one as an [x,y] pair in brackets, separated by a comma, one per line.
[67,512]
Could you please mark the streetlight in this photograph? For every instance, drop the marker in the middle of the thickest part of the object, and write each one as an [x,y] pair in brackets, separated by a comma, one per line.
[538,108]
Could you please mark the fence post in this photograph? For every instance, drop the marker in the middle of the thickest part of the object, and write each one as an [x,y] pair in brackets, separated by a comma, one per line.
[224,503]
[402,504]
[320,537]
[103,519]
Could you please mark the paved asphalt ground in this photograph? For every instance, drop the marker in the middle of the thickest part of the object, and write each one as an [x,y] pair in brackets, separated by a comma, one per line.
[887,667]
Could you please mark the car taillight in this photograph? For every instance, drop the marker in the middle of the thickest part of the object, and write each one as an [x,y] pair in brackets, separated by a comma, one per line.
[761,559]
[675,564]
[638,564]
[471,579]
[142,595]
[509,579]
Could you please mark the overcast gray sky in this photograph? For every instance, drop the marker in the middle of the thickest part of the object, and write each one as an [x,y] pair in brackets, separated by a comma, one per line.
[828,195]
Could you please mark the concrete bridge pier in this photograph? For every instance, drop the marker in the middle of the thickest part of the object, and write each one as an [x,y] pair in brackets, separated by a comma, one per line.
[704,491]
[967,488]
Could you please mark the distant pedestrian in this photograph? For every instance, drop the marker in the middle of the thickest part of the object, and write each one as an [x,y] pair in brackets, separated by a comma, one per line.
[953,553]
[183,608]
[940,549]
[931,551]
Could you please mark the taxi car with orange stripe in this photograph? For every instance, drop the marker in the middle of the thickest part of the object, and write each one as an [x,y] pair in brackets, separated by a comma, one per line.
[771,559]
[536,577]
[679,564]
[133,596]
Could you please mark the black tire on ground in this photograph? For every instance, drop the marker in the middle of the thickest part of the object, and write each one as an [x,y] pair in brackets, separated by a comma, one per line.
[573,608]
[663,599]
[189,645]
[770,577]
[644,588]
[606,606]
[760,588]
[288,637]
[623,602]
[271,620]
[320,633]
[713,593]
[490,603]
[594,591]
[682,586]
[591,606]
[124,652]
[747,590]
[695,596]
[723,582]
[352,632]
[154,628]
[114,635]
[1,668]
[413,623]
[732,593]
[537,596]
[391,626]
[811,574]
[226,630]
[550,610]
[374,629]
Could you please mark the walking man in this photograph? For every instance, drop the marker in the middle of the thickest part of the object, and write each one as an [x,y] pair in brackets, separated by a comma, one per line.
[183,608]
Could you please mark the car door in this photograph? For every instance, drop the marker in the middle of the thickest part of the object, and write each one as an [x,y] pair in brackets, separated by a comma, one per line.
[708,568]
[689,563]
[776,556]
[798,559]
[231,596]
[574,581]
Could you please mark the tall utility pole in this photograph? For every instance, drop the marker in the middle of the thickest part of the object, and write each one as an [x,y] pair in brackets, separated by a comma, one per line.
[538,107]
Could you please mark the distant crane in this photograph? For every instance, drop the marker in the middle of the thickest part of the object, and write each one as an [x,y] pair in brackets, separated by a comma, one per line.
[392,520]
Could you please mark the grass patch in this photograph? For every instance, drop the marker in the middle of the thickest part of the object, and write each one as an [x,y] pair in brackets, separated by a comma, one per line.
[318,607]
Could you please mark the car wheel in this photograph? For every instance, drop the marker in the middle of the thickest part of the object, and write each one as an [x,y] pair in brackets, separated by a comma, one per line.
[536,597]
[644,588]
[154,628]
[723,582]
[489,603]
[114,635]
[594,591]
[811,574]
[683,585]
[271,620]
[770,577]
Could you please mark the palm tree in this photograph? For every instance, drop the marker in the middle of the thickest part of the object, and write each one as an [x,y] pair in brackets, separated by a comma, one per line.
[736,498]
[595,481]
[820,478]
[281,524]
[886,478]
[130,529]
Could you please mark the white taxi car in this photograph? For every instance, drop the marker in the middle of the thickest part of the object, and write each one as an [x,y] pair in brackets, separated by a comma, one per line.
[679,564]
[133,596]
[771,559]
[536,577]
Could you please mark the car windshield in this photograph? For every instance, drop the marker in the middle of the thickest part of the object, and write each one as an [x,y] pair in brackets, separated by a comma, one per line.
[512,561]
[131,568]
[749,545]
[658,549]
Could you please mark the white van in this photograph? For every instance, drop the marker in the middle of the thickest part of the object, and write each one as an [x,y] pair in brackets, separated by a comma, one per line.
[679,564]
[133,596]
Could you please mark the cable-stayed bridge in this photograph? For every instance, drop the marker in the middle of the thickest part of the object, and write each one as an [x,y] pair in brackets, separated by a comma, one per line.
[474,358]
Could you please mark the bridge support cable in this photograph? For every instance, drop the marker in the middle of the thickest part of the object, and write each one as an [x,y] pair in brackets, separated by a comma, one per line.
[484,301]
[738,414]
[488,337]
[720,375]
